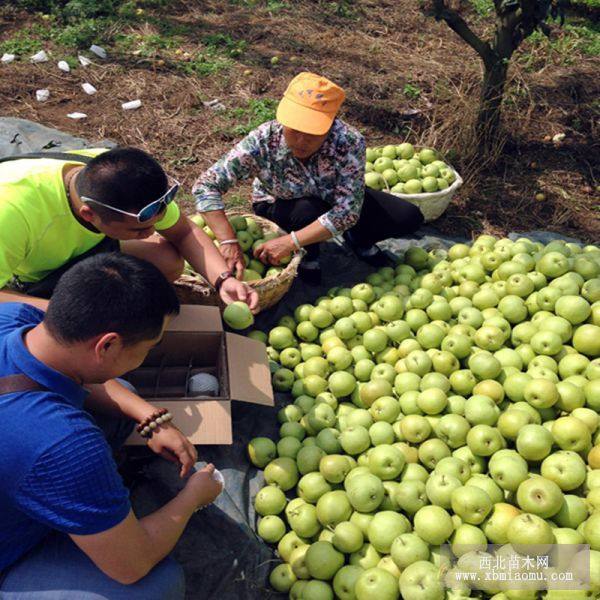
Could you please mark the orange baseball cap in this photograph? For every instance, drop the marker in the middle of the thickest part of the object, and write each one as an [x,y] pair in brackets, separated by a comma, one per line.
[310,104]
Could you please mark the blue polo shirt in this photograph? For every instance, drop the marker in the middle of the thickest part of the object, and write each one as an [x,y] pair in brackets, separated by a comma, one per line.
[56,468]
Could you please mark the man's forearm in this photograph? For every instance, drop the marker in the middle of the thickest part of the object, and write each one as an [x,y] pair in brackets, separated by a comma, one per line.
[131,549]
[199,250]
[114,399]
[165,526]
[7,295]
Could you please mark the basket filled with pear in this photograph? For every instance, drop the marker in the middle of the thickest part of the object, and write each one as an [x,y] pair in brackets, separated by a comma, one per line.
[414,174]
[271,282]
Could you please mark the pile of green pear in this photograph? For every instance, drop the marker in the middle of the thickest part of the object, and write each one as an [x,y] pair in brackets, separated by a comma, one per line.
[250,236]
[402,170]
[451,400]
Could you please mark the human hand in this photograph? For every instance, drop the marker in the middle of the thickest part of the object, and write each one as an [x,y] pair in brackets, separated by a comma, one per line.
[204,486]
[172,445]
[232,290]
[234,257]
[274,251]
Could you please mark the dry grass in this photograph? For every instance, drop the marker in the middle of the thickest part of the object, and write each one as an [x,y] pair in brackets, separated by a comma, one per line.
[406,76]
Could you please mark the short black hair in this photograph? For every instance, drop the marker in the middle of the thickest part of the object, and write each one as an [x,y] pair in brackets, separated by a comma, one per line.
[110,292]
[125,178]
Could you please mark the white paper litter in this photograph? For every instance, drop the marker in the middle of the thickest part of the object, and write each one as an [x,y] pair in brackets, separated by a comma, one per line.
[77,116]
[218,476]
[215,105]
[42,95]
[63,65]
[84,61]
[7,58]
[131,105]
[98,51]
[40,57]
[89,89]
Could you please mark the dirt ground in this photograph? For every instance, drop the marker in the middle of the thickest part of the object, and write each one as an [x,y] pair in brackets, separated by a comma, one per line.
[406,76]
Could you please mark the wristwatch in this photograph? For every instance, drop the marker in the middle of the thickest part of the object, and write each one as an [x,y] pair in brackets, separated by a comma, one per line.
[221,278]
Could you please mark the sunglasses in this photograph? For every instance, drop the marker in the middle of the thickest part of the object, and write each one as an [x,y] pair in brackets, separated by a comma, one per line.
[150,210]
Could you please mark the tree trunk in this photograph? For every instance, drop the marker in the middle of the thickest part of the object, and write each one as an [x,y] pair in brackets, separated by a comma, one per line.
[488,121]
[495,56]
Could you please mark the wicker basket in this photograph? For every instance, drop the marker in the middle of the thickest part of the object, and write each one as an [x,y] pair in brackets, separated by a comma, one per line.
[193,289]
[432,204]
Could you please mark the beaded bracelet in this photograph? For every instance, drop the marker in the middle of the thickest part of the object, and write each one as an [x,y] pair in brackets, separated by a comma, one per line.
[158,413]
[148,431]
[149,424]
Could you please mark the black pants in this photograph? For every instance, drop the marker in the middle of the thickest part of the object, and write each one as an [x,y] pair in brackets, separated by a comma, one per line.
[45,287]
[383,216]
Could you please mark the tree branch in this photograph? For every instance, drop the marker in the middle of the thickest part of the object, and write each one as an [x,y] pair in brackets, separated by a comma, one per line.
[460,27]
[529,21]
[508,36]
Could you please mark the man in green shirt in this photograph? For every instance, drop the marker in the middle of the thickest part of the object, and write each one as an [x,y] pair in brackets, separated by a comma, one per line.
[54,212]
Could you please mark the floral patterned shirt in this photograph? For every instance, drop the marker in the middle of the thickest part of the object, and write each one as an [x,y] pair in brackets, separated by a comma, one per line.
[335,173]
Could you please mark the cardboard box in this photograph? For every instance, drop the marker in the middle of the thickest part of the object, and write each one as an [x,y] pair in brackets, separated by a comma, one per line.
[195,342]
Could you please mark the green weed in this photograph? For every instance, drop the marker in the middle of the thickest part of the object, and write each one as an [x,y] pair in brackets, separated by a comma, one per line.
[594,4]
[72,9]
[587,36]
[129,10]
[202,65]
[45,6]
[82,33]
[574,38]
[252,115]
[276,5]
[153,3]
[77,35]
[169,29]
[343,8]
[482,7]
[23,42]
[270,5]
[146,46]
[221,42]
[411,91]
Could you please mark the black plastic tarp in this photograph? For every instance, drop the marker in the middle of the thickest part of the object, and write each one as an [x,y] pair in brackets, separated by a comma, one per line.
[222,556]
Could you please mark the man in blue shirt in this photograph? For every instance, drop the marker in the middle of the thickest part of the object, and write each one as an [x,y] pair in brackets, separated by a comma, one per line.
[66,524]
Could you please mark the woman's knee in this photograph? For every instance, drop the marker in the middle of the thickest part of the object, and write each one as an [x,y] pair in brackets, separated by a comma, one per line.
[307,210]
[414,218]
[261,209]
[292,214]
[391,212]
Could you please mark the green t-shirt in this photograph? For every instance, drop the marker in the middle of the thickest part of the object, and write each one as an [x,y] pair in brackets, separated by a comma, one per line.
[38,231]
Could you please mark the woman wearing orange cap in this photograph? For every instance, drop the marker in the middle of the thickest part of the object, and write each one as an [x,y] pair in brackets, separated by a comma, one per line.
[308,168]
